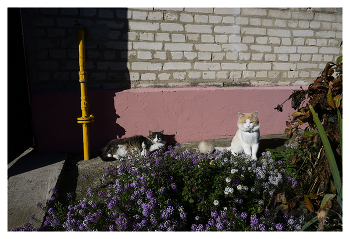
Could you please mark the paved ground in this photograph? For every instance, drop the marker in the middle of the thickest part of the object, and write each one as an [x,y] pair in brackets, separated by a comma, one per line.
[33,175]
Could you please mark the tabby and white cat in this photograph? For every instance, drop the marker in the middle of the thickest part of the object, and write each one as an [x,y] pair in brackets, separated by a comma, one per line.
[133,146]
[247,136]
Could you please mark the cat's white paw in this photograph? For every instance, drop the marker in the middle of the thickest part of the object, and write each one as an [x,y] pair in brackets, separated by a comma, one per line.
[109,155]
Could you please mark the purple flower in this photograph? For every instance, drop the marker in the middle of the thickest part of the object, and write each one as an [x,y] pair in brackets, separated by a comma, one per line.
[173,186]
[90,191]
[261,227]
[32,217]
[196,218]
[194,227]
[38,204]
[253,220]
[182,215]
[244,215]
[54,191]
[101,194]
[214,214]
[50,211]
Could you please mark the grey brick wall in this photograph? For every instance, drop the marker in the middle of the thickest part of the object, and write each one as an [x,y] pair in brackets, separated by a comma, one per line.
[167,47]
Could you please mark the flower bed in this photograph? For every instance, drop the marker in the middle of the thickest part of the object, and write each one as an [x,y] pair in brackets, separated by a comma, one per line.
[180,191]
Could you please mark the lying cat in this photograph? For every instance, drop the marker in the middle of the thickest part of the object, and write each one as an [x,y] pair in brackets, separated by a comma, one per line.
[133,146]
[247,136]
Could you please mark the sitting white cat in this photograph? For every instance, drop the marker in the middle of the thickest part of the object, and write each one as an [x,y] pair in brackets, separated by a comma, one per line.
[247,136]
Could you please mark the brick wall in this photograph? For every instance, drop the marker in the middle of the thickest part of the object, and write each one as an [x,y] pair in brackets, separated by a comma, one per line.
[169,47]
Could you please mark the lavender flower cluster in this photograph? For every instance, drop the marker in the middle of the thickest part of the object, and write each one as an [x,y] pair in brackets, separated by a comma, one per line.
[179,191]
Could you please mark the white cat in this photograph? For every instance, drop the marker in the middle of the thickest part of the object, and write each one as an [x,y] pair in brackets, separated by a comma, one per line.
[247,136]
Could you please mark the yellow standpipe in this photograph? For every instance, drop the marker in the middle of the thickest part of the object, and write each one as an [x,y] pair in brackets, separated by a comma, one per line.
[85,119]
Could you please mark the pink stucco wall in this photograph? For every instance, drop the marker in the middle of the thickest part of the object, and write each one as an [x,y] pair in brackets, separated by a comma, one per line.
[185,114]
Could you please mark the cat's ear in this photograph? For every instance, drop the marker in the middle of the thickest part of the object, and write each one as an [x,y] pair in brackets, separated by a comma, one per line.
[150,132]
[162,132]
[255,114]
[240,114]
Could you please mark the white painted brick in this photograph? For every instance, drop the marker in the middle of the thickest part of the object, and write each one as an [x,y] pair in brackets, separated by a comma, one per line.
[261,40]
[298,41]
[267,22]
[207,38]
[315,24]
[248,74]
[215,19]
[201,18]
[233,66]
[292,23]
[314,74]
[274,40]
[148,76]
[257,56]
[279,14]
[294,57]
[273,74]
[178,46]
[147,36]
[184,17]
[162,36]
[144,26]
[153,16]
[325,17]
[329,50]
[302,66]
[222,75]
[198,28]
[160,55]
[293,74]
[326,25]
[255,21]
[248,39]
[253,31]
[286,41]
[235,39]
[206,66]
[253,12]
[327,58]
[282,57]
[194,74]
[148,45]
[172,27]
[284,66]
[146,55]
[192,37]
[310,42]
[209,75]
[303,15]
[317,58]
[134,76]
[235,75]
[242,20]
[306,57]
[280,23]
[170,16]
[146,66]
[176,55]
[227,11]
[307,49]
[261,74]
[164,76]
[237,47]
[221,38]
[190,55]
[244,56]
[304,24]
[208,47]
[339,35]
[202,56]
[227,29]
[285,49]
[259,66]
[261,48]
[178,38]
[218,56]
[333,42]
[325,34]
[199,10]
[270,57]
[177,66]
[228,20]
[278,33]
[304,74]
[136,15]
[232,56]
[337,26]
[303,33]
[179,75]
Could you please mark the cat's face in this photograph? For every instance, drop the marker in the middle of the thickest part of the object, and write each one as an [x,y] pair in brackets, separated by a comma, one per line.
[248,121]
[156,137]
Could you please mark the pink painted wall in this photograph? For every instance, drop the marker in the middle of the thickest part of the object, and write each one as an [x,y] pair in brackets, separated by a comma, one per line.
[185,113]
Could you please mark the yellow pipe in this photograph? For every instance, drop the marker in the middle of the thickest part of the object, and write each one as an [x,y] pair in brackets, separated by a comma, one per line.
[85,119]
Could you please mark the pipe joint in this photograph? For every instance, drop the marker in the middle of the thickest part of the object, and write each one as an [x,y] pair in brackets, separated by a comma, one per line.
[85,120]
